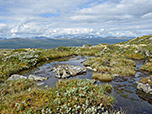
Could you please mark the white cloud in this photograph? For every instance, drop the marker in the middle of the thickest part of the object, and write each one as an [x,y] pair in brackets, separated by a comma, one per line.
[147,15]
[2,25]
[112,17]
[4,29]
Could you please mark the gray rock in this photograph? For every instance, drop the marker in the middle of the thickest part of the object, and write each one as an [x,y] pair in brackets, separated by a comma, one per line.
[65,71]
[144,87]
[37,78]
[16,77]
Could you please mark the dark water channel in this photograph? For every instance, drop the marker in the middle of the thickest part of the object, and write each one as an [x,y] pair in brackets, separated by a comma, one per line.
[124,88]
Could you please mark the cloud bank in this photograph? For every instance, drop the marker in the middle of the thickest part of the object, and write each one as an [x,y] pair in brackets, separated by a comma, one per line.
[29,18]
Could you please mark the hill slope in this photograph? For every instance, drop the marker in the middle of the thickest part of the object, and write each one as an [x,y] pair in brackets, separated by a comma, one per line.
[147,39]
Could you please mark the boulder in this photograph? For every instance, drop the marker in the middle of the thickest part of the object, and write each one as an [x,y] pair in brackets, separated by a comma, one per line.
[65,71]
[37,78]
[16,77]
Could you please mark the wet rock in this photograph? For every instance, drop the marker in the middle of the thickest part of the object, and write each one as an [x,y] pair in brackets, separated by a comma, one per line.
[16,77]
[37,78]
[65,71]
[144,87]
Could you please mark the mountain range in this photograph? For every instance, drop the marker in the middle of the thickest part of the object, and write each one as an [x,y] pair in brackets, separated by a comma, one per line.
[64,40]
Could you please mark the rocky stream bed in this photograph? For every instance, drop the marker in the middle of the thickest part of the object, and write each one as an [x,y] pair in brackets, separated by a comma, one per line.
[125,91]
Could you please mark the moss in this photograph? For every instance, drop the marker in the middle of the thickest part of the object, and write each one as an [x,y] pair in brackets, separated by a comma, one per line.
[102,77]
[112,65]
[134,56]
[147,80]
[144,80]
[147,67]
[107,88]
[14,87]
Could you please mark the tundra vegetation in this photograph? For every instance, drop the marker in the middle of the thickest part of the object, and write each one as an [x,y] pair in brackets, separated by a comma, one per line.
[70,96]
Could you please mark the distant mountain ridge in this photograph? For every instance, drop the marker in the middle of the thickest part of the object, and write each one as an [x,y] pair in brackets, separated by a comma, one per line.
[73,36]
[45,42]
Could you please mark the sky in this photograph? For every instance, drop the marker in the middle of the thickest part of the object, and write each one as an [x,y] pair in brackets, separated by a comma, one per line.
[29,18]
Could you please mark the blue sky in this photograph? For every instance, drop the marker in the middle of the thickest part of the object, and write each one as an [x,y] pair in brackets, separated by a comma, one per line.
[27,18]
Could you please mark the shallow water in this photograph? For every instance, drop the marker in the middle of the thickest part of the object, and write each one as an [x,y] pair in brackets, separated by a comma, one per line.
[124,88]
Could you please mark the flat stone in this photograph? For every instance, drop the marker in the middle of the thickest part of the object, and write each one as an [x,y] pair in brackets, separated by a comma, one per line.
[16,77]
[37,78]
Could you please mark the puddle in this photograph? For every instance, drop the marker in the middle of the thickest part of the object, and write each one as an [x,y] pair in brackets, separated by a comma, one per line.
[124,88]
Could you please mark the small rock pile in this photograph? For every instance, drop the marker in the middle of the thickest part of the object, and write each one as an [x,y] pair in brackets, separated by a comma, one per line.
[145,84]
[66,71]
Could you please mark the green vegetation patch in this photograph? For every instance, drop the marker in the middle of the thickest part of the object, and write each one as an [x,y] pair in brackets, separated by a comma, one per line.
[147,39]
[147,67]
[147,80]
[11,87]
[14,61]
[107,66]
[102,77]
[69,96]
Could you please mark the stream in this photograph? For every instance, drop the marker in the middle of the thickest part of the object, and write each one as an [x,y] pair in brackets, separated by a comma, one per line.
[127,97]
